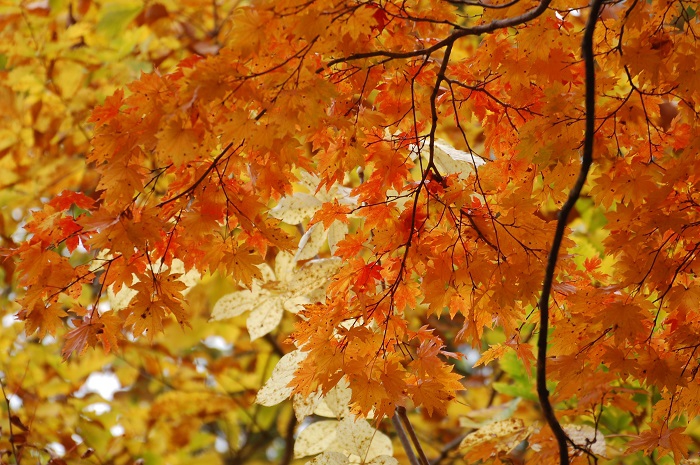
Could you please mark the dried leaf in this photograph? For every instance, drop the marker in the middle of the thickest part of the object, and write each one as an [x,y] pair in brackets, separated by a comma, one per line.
[277,389]
[315,438]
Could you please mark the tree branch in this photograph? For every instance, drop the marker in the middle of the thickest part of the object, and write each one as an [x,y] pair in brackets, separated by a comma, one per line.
[202,177]
[289,441]
[9,420]
[471,31]
[586,162]
[449,447]
[404,439]
[401,411]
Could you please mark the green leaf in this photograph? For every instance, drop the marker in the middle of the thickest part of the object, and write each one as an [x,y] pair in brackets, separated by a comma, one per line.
[116,16]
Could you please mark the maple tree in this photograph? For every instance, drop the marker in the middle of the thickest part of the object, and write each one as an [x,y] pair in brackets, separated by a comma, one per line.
[446,230]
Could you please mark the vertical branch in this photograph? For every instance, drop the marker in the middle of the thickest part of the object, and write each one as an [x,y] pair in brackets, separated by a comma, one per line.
[586,162]
[9,420]
[401,412]
[288,455]
[404,439]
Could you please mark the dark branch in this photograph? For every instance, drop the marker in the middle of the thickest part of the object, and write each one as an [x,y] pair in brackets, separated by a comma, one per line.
[206,173]
[289,441]
[401,412]
[404,439]
[586,162]
[9,420]
[471,31]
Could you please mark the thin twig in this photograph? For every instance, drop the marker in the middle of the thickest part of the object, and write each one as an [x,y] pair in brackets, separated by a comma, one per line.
[449,447]
[9,419]
[206,173]
[586,162]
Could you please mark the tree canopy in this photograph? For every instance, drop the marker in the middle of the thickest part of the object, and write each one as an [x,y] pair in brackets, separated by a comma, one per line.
[344,231]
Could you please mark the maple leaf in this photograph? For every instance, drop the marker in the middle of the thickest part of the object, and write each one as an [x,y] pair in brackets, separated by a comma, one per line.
[336,202]
[333,118]
[277,389]
[368,394]
[66,198]
[664,440]
[331,212]
[283,289]
[496,439]
[430,395]
[45,319]
[84,335]
[102,114]
[368,276]
[109,333]
[494,352]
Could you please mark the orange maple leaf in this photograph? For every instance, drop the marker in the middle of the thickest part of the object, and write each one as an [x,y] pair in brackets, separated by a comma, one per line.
[663,440]
[432,394]
[102,114]
[84,335]
[330,212]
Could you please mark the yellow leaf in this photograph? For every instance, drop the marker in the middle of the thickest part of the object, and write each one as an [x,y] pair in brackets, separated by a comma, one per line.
[277,389]
[266,315]
[587,437]
[336,402]
[234,304]
[315,438]
[311,242]
[329,458]
[494,439]
[358,438]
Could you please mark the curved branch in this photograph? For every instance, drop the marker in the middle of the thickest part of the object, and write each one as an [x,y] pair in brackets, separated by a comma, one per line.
[470,31]
[199,180]
[586,162]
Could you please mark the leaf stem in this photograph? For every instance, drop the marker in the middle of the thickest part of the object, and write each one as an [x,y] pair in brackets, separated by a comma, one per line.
[586,162]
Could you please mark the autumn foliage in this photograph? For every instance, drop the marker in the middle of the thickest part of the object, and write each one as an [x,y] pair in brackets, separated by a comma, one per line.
[446,230]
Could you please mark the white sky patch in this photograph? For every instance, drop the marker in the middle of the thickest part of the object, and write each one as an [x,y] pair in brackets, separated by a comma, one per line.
[15,401]
[17,214]
[221,445]
[8,320]
[56,449]
[218,343]
[117,430]
[98,408]
[104,384]
[471,355]
[200,364]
